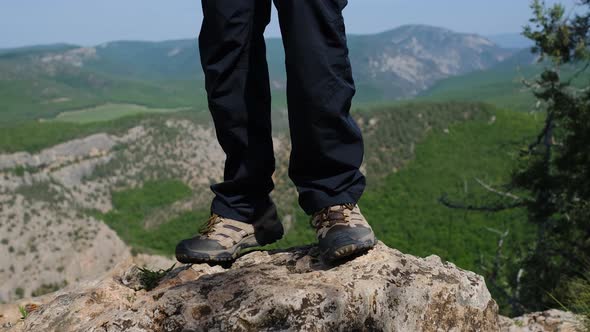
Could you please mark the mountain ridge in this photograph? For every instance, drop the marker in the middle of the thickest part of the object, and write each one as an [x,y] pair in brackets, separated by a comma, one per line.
[511,40]
[394,64]
[180,39]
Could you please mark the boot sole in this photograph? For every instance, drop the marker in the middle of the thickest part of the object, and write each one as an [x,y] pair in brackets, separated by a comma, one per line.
[352,248]
[188,256]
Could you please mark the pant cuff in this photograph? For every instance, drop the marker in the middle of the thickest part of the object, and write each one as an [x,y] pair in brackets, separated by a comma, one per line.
[314,201]
[244,212]
[220,208]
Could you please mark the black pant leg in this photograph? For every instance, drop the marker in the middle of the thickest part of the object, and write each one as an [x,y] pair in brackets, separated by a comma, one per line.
[233,56]
[327,143]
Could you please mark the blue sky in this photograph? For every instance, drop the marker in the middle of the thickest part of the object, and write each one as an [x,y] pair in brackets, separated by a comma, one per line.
[91,22]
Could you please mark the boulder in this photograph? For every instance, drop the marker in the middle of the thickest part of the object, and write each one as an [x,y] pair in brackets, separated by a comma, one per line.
[289,290]
[545,321]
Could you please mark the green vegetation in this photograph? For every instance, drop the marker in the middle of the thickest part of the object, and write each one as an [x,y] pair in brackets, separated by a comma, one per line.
[36,95]
[23,312]
[49,288]
[31,90]
[150,279]
[553,167]
[44,191]
[22,170]
[41,82]
[405,207]
[19,292]
[152,195]
[132,206]
[550,180]
[391,132]
[34,136]
[579,297]
[500,86]
[109,112]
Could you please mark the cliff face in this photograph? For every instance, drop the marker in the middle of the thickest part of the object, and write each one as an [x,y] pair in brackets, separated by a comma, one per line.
[383,290]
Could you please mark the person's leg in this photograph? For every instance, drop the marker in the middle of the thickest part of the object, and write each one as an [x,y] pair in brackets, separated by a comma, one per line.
[233,56]
[327,143]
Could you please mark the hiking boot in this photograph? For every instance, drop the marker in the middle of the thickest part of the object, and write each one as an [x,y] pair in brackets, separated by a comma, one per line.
[342,231]
[222,239]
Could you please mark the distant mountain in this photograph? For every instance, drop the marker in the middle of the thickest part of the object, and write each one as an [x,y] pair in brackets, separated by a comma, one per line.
[407,60]
[502,84]
[511,40]
[174,59]
[520,59]
[395,64]
[37,48]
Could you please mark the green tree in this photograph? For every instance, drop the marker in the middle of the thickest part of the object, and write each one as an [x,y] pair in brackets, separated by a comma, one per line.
[555,168]
[551,181]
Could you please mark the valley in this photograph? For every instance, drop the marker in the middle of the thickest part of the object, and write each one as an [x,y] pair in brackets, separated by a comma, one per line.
[146,187]
[107,152]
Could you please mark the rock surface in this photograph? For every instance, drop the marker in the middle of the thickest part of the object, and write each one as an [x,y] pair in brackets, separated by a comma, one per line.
[383,290]
[10,314]
[545,321]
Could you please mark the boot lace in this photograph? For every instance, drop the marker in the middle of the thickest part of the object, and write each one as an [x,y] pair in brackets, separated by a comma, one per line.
[328,216]
[209,227]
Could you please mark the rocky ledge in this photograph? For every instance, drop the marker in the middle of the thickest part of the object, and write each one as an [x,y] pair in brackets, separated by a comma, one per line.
[545,321]
[291,290]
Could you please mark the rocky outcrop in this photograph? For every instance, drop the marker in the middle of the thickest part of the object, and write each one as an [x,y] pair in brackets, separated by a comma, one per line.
[69,152]
[545,321]
[383,290]
[10,315]
[44,246]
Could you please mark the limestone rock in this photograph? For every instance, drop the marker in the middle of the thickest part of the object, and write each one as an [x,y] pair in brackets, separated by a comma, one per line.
[383,290]
[545,321]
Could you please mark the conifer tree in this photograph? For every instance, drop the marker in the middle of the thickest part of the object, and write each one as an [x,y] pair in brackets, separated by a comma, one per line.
[555,168]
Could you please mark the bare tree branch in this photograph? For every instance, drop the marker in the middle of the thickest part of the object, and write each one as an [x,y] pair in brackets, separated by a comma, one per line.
[492,277]
[490,208]
[495,191]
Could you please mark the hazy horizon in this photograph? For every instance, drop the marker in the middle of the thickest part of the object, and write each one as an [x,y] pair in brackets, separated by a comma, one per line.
[83,22]
[266,37]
